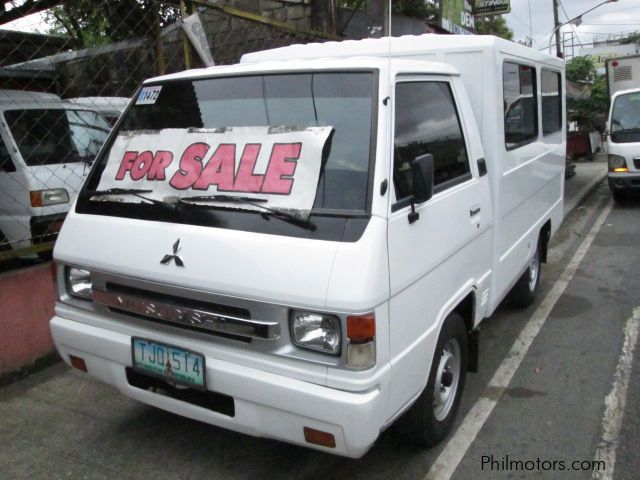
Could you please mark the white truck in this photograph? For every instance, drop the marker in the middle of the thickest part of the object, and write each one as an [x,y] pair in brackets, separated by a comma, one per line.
[623,126]
[302,246]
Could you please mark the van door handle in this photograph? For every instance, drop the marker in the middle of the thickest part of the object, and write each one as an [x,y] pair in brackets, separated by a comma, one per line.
[474,211]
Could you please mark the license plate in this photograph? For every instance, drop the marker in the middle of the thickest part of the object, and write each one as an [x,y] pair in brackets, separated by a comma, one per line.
[170,363]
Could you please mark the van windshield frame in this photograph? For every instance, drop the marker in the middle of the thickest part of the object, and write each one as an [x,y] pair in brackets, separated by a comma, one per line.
[625,118]
[56,135]
[341,215]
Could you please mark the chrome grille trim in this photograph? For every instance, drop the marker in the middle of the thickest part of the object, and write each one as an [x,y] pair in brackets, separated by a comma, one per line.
[183,315]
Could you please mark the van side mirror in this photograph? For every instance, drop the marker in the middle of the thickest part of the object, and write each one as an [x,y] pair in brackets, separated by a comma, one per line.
[423,169]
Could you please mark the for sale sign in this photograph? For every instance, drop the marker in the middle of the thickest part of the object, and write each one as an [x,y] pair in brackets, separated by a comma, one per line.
[492,7]
[279,164]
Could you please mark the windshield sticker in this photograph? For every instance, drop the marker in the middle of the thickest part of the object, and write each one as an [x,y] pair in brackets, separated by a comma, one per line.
[277,166]
[148,95]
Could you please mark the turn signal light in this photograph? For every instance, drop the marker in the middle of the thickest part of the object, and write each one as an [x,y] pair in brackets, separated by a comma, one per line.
[623,169]
[361,328]
[361,335]
[318,437]
[77,362]
[51,196]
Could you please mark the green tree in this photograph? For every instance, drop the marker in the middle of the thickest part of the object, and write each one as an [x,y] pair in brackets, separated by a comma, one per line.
[494,25]
[581,70]
[97,22]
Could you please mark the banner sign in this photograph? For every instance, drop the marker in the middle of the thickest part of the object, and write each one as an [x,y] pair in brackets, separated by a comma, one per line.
[492,7]
[193,28]
[457,16]
[279,164]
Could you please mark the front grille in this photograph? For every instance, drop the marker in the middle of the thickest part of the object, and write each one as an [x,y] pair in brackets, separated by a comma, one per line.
[207,317]
[185,302]
[214,401]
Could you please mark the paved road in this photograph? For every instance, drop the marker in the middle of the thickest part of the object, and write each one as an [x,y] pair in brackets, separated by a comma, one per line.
[63,424]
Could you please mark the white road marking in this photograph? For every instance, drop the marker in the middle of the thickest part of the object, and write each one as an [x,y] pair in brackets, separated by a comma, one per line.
[616,401]
[455,449]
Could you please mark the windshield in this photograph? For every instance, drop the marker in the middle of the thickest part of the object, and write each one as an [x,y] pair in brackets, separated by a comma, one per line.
[625,118]
[297,142]
[53,136]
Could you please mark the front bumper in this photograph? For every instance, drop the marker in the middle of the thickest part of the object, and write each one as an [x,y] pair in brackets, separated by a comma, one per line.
[265,404]
[622,182]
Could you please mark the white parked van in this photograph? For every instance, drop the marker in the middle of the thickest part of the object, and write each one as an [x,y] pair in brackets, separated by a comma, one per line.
[109,107]
[45,147]
[301,246]
[623,143]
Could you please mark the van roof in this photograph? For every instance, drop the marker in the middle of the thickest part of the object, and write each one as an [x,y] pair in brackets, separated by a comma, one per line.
[362,62]
[406,45]
[26,96]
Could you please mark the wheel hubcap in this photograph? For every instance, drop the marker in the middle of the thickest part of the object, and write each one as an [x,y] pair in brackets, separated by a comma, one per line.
[534,266]
[447,379]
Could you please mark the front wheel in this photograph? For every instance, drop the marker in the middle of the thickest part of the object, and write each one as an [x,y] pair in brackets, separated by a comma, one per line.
[524,291]
[430,418]
[619,196]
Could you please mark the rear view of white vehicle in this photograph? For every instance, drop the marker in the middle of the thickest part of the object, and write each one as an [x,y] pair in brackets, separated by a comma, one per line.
[302,246]
[46,146]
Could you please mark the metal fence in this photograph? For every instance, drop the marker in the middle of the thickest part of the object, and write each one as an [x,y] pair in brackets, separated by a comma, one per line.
[63,87]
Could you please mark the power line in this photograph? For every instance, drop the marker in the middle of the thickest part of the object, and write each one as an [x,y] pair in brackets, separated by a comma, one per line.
[523,23]
[575,33]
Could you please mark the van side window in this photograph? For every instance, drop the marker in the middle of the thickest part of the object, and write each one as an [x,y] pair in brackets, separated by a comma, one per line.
[6,164]
[551,102]
[520,104]
[427,122]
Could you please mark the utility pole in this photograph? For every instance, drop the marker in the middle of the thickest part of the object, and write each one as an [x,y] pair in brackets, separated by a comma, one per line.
[556,26]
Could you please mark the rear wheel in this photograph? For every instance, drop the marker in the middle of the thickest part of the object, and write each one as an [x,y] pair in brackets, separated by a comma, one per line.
[524,291]
[430,418]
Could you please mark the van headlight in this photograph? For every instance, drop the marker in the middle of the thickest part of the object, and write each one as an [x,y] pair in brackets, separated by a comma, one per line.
[617,163]
[51,196]
[316,331]
[79,283]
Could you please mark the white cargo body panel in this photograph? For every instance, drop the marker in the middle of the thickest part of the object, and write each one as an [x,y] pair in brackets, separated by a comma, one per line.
[623,73]
[527,183]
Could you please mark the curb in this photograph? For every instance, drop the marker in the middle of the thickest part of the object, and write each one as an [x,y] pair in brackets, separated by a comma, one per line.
[571,205]
[38,365]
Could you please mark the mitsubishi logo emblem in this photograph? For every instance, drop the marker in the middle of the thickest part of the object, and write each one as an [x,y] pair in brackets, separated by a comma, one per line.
[175,257]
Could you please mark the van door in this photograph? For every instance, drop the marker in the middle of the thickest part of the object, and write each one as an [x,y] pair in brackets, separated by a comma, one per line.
[438,259]
[14,197]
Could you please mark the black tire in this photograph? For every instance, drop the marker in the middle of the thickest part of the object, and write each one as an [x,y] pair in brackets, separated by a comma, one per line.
[46,255]
[619,196]
[427,422]
[10,263]
[524,291]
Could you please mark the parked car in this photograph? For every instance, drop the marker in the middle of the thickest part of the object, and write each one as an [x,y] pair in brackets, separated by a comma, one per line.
[302,246]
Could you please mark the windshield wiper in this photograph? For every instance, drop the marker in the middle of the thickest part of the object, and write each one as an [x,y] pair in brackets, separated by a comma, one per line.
[256,202]
[131,191]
